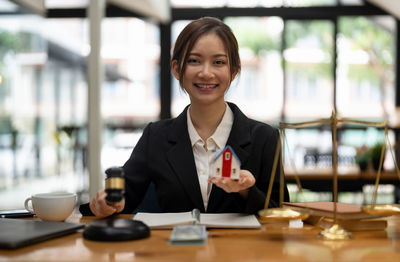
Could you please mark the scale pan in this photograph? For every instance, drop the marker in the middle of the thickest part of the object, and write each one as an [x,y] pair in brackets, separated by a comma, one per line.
[282,214]
[382,209]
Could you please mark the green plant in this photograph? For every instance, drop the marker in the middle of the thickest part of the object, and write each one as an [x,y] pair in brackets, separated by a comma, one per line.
[363,157]
[376,155]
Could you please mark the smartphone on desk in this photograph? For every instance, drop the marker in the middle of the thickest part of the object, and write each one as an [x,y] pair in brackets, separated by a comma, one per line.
[15,213]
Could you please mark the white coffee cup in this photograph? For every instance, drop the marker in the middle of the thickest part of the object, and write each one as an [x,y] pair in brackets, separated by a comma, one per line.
[51,206]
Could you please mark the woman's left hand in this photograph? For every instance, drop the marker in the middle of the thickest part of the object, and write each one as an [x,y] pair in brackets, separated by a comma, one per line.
[246,180]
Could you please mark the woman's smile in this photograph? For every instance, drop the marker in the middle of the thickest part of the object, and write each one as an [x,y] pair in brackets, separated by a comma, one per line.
[205,86]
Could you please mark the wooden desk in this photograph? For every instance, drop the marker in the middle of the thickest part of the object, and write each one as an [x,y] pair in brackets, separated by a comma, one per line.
[273,242]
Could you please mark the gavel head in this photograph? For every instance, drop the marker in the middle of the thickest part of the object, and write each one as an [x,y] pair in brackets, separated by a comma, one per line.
[115,184]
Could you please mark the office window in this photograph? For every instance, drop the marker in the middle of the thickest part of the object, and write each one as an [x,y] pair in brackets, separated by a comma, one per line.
[308,149]
[308,73]
[37,80]
[179,98]
[252,3]
[258,90]
[43,99]
[131,48]
[365,72]
[66,3]
[305,3]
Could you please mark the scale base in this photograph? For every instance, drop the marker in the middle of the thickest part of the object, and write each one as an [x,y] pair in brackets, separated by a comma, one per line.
[335,232]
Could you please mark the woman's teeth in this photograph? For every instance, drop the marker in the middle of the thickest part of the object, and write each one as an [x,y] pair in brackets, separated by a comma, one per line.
[205,86]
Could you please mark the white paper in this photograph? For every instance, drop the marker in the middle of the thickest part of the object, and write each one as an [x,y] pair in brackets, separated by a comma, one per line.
[224,220]
[165,220]
[229,220]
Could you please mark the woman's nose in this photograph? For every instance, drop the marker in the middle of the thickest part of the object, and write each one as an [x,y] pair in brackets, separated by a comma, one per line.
[206,71]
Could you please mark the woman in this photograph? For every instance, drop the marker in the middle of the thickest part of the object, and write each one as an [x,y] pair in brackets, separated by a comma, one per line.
[175,154]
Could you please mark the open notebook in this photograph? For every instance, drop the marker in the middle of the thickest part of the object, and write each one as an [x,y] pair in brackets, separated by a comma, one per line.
[15,233]
[224,220]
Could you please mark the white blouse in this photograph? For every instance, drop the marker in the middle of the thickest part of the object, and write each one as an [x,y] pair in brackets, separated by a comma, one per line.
[204,151]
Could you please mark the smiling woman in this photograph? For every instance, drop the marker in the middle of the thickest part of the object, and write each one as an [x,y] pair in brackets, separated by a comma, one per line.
[207,75]
[176,154]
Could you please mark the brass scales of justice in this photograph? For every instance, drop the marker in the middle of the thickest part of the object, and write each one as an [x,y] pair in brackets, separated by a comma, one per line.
[335,232]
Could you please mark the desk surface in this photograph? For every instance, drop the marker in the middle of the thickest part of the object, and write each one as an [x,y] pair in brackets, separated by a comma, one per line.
[274,242]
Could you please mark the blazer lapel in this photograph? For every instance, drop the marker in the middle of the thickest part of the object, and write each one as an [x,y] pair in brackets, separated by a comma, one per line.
[239,139]
[180,156]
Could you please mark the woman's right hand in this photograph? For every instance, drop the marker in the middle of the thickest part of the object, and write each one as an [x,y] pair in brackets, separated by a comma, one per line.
[100,208]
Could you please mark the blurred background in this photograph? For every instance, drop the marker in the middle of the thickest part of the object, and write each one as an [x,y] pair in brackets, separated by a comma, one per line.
[301,59]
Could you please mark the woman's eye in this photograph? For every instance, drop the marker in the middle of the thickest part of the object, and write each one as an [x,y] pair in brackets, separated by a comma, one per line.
[220,62]
[192,60]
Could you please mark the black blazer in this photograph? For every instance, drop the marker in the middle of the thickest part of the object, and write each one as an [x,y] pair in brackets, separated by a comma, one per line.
[164,156]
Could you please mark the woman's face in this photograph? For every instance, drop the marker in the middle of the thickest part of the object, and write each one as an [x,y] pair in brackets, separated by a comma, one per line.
[207,75]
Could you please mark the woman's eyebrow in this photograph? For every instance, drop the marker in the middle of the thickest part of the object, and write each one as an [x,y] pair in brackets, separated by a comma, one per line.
[216,55]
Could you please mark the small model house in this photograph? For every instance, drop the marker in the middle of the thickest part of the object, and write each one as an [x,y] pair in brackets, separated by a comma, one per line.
[226,164]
